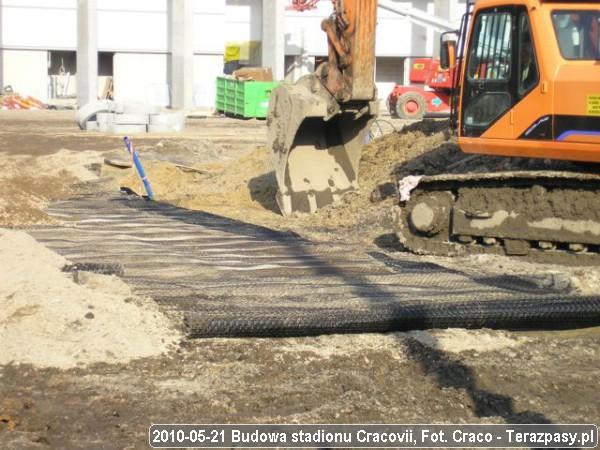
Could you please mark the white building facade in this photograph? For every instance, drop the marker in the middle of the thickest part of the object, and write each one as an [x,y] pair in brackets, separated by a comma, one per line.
[39,41]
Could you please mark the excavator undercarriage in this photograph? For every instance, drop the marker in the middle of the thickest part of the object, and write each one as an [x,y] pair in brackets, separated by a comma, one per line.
[546,216]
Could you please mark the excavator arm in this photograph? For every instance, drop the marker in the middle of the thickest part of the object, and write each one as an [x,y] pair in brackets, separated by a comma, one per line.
[351,39]
[317,126]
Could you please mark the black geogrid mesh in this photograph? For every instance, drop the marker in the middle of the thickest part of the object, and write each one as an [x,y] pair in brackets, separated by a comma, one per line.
[233,279]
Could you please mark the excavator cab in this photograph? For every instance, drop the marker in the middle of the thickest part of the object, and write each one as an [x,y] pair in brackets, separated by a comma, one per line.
[318,126]
[530,79]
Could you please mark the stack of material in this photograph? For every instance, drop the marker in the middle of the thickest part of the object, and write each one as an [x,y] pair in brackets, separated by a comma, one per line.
[128,118]
[253,74]
[10,100]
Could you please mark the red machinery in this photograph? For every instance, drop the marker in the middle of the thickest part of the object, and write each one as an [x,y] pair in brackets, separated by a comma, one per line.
[428,93]
[302,5]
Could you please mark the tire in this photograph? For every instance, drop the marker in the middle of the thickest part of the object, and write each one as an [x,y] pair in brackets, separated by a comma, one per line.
[411,106]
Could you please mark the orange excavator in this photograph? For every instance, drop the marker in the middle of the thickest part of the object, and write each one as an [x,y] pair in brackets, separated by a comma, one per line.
[527,84]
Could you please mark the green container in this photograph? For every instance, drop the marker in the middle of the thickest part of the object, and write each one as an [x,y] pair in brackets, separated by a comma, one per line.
[243,98]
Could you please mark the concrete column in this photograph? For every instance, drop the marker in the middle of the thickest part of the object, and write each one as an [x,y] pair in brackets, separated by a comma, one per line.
[181,67]
[273,37]
[87,52]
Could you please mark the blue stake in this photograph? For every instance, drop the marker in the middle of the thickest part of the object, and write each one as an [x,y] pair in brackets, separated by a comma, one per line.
[138,165]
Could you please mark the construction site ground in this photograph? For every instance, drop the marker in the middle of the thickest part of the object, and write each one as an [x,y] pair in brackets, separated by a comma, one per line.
[88,361]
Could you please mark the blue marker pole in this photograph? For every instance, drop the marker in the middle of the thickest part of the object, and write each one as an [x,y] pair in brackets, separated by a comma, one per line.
[138,166]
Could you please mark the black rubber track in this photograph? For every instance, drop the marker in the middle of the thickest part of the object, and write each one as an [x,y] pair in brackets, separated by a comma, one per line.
[226,278]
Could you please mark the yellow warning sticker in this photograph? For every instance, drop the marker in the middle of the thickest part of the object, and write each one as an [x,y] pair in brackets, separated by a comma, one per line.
[421,66]
[593,105]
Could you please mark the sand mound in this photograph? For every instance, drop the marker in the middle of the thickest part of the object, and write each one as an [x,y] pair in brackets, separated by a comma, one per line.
[29,183]
[245,189]
[48,320]
[220,185]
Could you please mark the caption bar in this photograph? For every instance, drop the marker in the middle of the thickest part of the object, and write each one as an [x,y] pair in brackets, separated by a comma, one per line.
[369,436]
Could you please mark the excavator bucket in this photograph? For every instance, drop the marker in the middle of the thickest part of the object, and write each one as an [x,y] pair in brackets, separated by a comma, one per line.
[315,145]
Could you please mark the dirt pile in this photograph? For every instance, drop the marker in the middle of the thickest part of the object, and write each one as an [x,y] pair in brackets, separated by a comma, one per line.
[245,188]
[448,158]
[28,183]
[48,320]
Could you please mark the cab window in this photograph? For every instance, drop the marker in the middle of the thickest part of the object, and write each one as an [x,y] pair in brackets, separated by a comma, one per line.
[490,53]
[577,33]
[487,94]
[528,70]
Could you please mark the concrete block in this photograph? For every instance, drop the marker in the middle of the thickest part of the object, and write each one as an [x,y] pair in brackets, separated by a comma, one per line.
[127,129]
[130,119]
[91,125]
[140,108]
[169,121]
